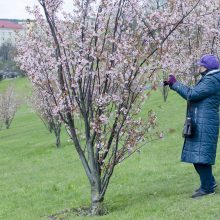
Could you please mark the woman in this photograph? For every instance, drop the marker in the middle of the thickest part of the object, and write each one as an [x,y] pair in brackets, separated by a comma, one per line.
[204,100]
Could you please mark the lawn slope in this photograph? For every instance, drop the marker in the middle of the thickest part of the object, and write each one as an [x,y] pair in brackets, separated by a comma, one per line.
[38,180]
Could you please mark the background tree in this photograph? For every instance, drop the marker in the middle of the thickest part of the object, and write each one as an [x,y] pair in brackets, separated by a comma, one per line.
[8,106]
[7,52]
[94,65]
[7,59]
[42,105]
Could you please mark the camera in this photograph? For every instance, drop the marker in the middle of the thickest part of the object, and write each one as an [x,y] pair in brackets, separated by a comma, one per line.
[187,129]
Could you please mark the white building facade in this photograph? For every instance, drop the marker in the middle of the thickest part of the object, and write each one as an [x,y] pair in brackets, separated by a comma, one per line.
[8,31]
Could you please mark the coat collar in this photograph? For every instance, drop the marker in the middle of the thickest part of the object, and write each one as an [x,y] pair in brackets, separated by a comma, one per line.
[212,72]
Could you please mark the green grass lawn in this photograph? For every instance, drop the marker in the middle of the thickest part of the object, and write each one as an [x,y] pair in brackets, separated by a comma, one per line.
[37,180]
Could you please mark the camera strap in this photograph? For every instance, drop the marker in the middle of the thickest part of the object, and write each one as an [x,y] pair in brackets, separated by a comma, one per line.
[187,108]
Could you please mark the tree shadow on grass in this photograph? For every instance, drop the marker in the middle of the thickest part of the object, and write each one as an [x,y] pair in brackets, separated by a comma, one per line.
[75,212]
[66,213]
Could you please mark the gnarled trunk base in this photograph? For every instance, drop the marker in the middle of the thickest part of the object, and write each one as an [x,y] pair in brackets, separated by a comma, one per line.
[97,205]
[98,208]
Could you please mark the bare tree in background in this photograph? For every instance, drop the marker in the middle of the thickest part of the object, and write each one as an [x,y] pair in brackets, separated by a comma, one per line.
[7,52]
[8,106]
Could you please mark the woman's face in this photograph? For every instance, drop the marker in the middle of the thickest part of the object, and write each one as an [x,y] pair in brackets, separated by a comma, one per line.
[200,70]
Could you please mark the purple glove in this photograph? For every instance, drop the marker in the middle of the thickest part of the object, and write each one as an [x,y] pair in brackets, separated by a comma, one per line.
[170,81]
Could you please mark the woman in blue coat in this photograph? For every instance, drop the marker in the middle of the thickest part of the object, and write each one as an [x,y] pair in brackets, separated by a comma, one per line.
[204,100]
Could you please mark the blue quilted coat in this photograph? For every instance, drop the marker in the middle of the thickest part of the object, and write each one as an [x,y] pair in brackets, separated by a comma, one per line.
[204,101]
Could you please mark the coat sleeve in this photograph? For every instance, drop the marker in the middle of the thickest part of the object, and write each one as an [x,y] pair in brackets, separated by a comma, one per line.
[201,91]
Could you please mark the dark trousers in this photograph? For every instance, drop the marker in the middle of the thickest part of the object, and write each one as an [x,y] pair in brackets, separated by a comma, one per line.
[206,178]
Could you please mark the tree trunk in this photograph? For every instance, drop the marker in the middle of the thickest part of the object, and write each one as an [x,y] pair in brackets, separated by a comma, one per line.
[57,131]
[97,207]
[7,124]
[58,140]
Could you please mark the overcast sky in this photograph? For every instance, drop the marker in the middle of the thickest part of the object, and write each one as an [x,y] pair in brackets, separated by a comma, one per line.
[16,8]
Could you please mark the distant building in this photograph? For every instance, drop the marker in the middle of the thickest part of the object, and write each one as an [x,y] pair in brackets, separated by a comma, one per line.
[8,31]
